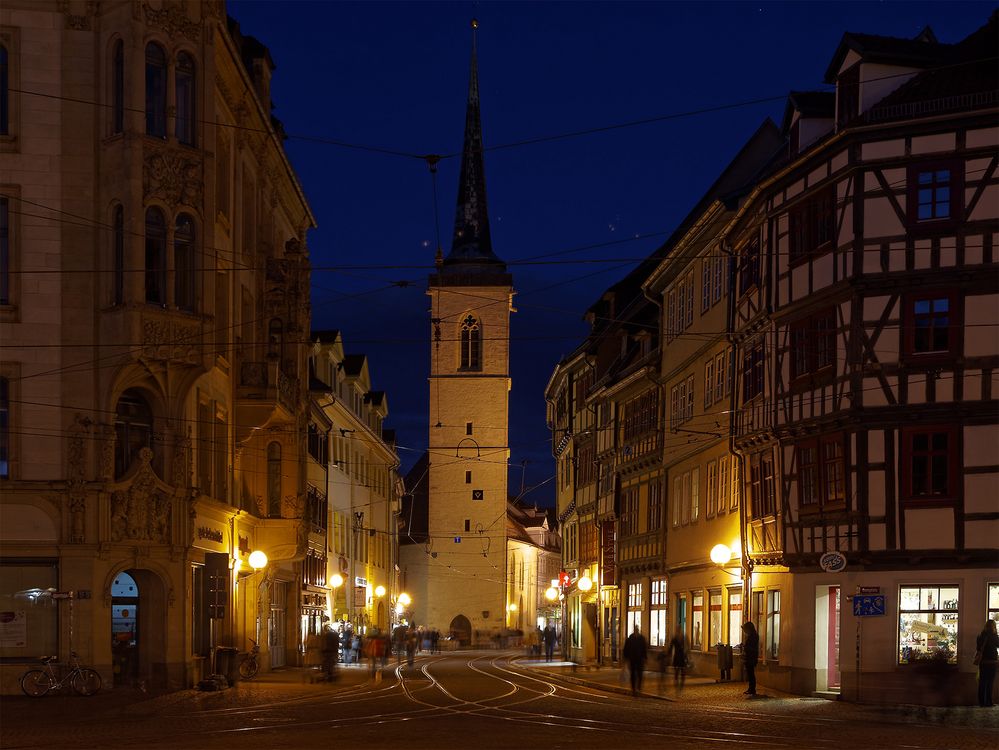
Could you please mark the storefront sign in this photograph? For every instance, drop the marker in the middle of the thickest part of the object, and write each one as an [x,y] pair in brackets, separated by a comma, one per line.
[832,562]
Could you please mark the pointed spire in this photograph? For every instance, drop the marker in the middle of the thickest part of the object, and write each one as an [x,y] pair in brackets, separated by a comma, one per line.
[471,242]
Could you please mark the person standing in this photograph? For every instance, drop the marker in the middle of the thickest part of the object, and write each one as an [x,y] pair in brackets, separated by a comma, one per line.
[635,652]
[678,650]
[331,650]
[750,654]
[987,644]
[548,636]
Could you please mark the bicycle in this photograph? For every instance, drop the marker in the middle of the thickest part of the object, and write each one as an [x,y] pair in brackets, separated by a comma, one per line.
[249,667]
[39,682]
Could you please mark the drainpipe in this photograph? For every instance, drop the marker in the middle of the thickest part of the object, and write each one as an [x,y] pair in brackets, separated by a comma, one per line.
[747,564]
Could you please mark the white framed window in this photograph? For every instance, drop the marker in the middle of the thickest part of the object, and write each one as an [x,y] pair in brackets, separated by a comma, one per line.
[735,488]
[697,622]
[712,489]
[927,623]
[734,616]
[707,268]
[658,602]
[993,602]
[709,382]
[675,502]
[719,277]
[714,618]
[773,624]
[685,498]
[695,498]
[720,370]
[723,483]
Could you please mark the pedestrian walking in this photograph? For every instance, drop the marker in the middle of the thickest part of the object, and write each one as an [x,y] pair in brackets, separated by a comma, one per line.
[750,654]
[435,641]
[548,636]
[987,654]
[411,643]
[678,652]
[635,652]
[331,649]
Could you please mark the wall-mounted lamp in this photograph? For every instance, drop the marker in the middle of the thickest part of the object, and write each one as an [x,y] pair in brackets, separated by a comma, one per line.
[721,554]
[379,591]
[257,560]
[585,583]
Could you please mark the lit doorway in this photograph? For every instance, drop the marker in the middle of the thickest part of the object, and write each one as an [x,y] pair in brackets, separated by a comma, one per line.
[827,639]
[125,629]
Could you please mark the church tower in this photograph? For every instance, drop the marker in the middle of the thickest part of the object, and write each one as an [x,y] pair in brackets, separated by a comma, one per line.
[471,297]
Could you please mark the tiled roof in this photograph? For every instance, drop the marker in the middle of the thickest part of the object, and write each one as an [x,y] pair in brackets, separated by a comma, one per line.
[809,104]
[920,51]
[969,79]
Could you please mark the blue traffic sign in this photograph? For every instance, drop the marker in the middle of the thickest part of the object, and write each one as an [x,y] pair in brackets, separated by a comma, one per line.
[868,606]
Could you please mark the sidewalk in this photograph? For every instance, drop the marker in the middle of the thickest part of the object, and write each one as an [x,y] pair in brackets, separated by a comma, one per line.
[615,679]
[707,690]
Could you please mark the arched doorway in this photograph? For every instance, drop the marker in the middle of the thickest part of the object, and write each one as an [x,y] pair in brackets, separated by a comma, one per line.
[138,629]
[461,630]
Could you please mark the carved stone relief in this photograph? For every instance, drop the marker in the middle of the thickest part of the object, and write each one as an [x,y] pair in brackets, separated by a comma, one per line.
[172,177]
[142,511]
[164,337]
[107,443]
[76,492]
[181,460]
[172,19]
[76,21]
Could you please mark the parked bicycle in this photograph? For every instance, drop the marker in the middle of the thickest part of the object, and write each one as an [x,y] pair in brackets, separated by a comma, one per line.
[249,667]
[39,682]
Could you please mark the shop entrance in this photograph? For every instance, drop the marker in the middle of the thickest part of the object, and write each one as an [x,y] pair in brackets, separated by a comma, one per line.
[827,639]
[277,626]
[138,616]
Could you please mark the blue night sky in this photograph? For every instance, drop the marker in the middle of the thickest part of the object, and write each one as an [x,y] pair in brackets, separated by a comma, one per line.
[395,76]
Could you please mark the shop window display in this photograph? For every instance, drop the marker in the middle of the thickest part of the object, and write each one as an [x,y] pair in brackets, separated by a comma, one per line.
[927,624]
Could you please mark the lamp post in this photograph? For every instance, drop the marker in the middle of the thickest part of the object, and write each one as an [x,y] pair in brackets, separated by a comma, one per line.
[336,581]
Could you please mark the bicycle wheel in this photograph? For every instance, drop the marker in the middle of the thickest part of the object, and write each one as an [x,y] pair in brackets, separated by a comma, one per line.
[36,683]
[86,681]
[248,668]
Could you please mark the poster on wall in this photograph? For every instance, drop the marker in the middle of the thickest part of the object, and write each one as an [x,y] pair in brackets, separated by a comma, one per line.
[13,629]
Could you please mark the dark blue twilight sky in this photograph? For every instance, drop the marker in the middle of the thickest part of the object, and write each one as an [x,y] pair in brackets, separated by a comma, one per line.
[395,76]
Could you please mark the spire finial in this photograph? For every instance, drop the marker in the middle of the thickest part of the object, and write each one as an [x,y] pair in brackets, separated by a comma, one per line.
[471,242]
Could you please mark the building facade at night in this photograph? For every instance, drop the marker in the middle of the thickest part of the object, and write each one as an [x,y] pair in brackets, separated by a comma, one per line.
[159,420]
[827,410]
[455,556]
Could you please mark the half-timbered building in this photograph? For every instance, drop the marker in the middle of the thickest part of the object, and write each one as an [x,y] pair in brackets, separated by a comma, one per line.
[864,327]
[702,582]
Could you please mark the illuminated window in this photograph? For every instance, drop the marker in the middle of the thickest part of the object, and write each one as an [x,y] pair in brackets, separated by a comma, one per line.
[697,622]
[773,623]
[928,618]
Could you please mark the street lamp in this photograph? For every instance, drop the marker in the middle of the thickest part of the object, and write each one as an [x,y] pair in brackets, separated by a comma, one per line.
[585,583]
[257,560]
[379,591]
[721,554]
[336,581]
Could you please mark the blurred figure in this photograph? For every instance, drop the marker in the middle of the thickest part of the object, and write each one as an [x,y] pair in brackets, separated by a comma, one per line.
[635,652]
[330,650]
[548,636]
[678,650]
[750,654]
[987,645]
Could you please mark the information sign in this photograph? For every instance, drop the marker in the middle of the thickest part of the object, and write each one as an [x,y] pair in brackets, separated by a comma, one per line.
[869,605]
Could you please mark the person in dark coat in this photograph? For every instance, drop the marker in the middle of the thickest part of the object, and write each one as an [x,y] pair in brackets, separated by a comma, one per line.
[331,650]
[987,644]
[678,650]
[635,652]
[549,637]
[750,654]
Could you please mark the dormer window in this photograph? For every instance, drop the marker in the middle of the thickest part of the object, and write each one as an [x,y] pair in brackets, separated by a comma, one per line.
[847,96]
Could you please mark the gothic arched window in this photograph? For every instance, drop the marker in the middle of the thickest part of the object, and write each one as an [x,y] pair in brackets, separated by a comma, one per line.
[471,344]
[133,428]
[118,256]
[185,94]
[155,256]
[183,263]
[118,88]
[274,480]
[156,90]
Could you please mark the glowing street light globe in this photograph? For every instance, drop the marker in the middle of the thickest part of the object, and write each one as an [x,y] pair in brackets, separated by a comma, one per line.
[585,584]
[258,560]
[404,599]
[379,591]
[551,594]
[336,580]
[720,554]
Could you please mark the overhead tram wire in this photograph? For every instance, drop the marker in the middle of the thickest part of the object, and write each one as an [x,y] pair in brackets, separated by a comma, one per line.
[511,144]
